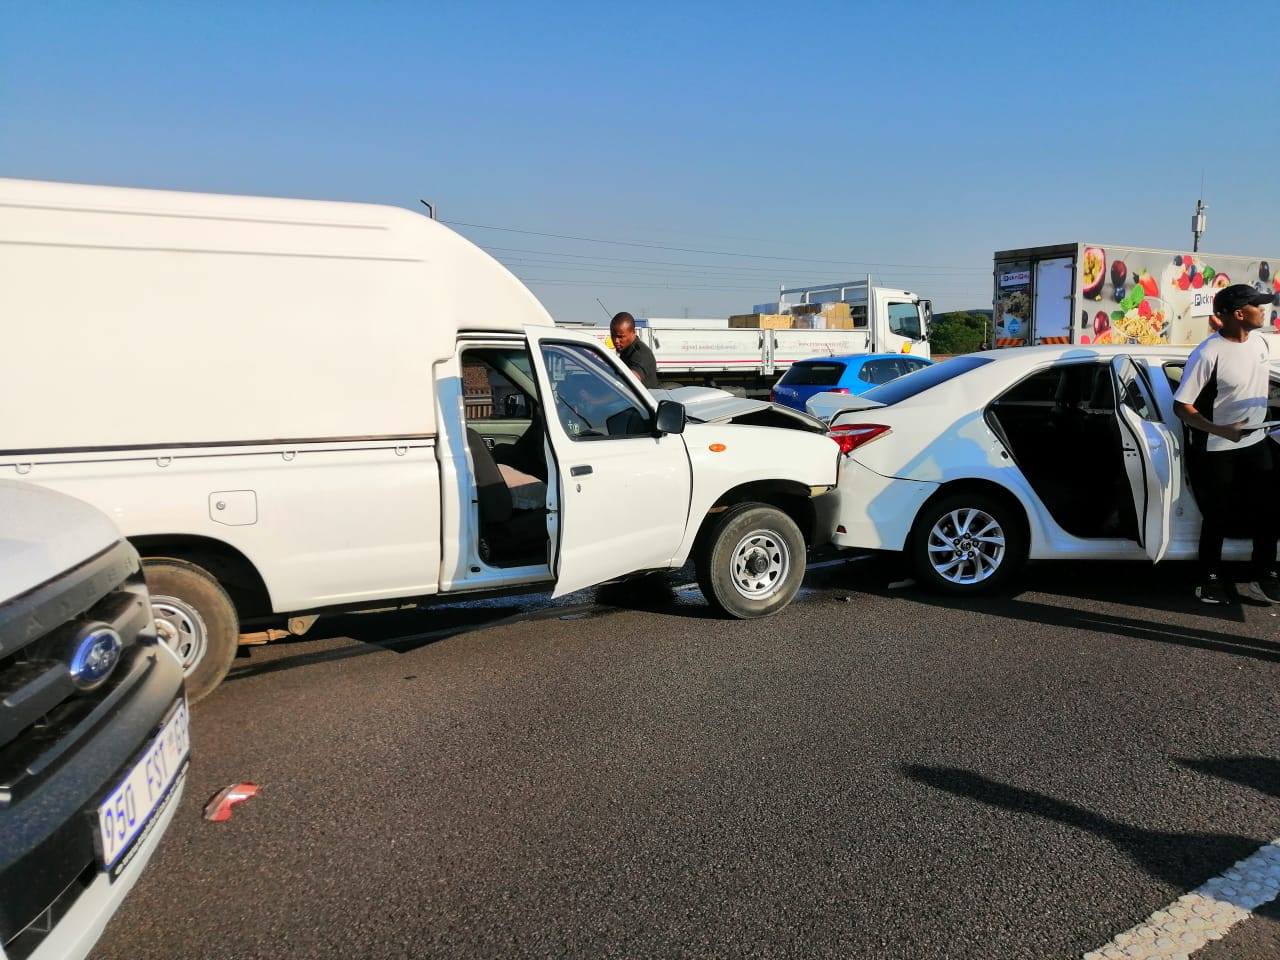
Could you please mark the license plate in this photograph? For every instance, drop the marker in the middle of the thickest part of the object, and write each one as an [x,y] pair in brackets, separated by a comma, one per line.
[123,817]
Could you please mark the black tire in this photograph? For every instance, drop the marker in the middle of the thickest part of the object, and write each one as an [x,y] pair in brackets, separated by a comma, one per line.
[781,545]
[196,618]
[1008,562]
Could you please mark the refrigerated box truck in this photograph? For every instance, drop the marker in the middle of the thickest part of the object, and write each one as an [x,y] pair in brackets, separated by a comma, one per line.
[1094,293]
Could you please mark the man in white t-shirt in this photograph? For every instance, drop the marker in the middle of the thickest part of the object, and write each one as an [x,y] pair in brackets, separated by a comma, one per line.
[1223,398]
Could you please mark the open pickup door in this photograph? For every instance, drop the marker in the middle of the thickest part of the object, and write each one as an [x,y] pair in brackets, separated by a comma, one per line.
[1148,455]
[621,485]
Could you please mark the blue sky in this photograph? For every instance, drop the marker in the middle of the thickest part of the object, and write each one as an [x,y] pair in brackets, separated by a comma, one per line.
[790,143]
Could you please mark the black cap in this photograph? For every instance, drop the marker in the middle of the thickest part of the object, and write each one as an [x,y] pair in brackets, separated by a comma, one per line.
[1230,299]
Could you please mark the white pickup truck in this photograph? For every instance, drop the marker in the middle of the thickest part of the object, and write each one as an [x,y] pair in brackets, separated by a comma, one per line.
[323,418]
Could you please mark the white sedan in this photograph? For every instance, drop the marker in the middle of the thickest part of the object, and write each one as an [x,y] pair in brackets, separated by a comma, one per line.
[974,465]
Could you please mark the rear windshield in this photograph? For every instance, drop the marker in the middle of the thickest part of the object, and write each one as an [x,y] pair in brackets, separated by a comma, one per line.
[823,373]
[895,391]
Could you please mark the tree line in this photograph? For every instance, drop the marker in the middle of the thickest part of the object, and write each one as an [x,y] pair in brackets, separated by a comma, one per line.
[960,331]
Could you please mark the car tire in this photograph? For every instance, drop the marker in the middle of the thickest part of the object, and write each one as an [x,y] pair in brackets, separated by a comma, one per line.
[948,557]
[196,619]
[751,562]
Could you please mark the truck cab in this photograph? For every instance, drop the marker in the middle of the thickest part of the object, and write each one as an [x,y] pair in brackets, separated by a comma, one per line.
[892,320]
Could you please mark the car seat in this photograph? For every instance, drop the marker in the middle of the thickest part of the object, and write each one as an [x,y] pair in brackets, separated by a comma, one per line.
[507,535]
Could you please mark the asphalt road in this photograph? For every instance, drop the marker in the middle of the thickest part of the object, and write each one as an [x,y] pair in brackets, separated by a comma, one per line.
[873,773]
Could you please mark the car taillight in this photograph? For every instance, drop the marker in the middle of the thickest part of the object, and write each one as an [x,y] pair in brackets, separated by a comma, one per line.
[838,390]
[773,396]
[850,436]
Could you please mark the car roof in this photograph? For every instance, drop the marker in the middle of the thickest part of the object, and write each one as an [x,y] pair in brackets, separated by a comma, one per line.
[1034,356]
[861,358]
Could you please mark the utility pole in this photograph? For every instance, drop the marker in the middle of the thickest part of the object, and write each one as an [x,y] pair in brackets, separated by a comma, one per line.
[1198,218]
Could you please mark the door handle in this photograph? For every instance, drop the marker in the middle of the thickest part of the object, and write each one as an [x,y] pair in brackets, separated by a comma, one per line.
[579,471]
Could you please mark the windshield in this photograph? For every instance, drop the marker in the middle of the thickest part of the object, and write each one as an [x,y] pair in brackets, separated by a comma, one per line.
[904,320]
[895,391]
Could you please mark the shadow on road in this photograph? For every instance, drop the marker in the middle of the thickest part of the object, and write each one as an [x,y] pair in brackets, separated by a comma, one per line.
[1183,860]
[401,631]
[1260,773]
[1129,584]
[396,632]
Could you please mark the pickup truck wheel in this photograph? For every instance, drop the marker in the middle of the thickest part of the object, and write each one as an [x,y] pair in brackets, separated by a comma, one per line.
[752,561]
[196,620]
[967,544]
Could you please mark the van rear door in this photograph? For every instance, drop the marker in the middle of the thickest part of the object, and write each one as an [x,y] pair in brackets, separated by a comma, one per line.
[622,502]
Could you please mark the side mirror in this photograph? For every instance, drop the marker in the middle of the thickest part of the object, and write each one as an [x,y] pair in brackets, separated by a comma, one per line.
[670,417]
[514,407]
[926,318]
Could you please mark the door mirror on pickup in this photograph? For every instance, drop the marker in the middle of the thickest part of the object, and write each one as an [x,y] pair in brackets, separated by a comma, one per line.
[670,417]
[515,407]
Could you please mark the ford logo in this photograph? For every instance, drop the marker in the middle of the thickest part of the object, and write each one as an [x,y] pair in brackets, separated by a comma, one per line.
[95,653]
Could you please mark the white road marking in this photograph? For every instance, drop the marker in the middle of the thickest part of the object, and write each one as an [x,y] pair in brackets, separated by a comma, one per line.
[1204,914]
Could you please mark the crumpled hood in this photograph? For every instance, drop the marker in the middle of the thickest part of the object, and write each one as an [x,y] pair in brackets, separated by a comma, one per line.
[827,406]
[43,534]
[709,405]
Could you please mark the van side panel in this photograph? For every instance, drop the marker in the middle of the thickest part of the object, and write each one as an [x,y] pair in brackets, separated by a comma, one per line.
[236,319]
[323,525]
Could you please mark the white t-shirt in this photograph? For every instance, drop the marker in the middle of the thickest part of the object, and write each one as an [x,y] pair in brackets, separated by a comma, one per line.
[1228,382]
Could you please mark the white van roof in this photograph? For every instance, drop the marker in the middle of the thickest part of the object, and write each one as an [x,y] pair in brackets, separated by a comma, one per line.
[152,317]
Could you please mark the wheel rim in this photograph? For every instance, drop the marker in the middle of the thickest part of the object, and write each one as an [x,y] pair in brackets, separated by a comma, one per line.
[181,629]
[966,546]
[760,564]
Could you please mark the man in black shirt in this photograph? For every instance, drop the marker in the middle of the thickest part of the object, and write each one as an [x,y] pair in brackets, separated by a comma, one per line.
[638,358]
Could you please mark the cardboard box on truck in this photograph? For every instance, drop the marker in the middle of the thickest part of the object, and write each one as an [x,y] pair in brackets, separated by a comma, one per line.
[762,321]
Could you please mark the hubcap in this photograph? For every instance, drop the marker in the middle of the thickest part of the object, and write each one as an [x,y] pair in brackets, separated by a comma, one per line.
[181,629]
[966,546]
[760,564]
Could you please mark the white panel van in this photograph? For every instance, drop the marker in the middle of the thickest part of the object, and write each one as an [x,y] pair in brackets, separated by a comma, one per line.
[294,406]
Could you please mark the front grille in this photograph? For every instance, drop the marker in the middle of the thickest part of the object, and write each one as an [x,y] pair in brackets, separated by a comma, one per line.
[42,711]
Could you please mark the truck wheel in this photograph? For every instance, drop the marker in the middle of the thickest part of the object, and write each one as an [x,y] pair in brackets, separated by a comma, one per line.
[196,620]
[967,544]
[751,562]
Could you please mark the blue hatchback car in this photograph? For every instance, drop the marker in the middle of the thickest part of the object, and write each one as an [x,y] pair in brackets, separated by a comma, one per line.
[854,374]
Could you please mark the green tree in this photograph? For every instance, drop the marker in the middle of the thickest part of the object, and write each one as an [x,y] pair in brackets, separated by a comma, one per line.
[958,332]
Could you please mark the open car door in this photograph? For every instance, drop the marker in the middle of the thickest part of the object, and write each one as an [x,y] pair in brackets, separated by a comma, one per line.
[1148,455]
[621,488]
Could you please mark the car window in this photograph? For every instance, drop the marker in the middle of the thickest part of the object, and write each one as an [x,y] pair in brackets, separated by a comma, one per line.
[1135,394]
[592,399]
[488,395]
[814,373]
[906,387]
[873,371]
[1077,386]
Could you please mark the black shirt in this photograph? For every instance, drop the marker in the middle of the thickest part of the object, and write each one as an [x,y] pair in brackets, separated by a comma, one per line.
[640,360]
